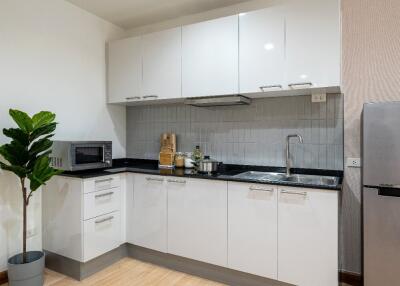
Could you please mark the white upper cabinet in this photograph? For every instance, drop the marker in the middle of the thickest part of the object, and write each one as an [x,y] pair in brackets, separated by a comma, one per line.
[253,229]
[162,64]
[313,43]
[210,58]
[124,70]
[308,237]
[293,44]
[262,50]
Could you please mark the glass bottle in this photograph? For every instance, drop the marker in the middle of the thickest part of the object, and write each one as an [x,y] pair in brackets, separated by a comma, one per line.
[197,155]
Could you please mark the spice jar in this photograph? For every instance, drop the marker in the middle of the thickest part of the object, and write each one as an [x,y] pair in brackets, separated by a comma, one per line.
[179,160]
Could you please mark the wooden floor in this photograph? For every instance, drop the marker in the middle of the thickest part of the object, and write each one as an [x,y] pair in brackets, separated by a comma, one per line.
[130,272]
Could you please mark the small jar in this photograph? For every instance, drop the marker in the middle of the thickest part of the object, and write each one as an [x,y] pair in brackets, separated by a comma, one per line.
[179,160]
[189,163]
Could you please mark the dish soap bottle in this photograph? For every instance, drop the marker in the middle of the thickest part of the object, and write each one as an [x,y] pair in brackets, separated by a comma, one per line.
[197,155]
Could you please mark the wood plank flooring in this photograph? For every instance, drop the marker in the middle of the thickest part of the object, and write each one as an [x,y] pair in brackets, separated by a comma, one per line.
[130,272]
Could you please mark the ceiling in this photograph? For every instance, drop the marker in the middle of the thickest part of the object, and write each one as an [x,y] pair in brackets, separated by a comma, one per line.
[135,13]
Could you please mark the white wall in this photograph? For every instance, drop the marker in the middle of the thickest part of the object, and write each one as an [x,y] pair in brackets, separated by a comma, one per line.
[52,57]
[203,16]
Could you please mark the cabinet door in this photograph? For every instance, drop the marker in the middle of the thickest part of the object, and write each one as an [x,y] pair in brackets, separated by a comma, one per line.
[149,222]
[308,237]
[210,58]
[313,42]
[262,50]
[162,64]
[124,70]
[101,235]
[197,220]
[252,229]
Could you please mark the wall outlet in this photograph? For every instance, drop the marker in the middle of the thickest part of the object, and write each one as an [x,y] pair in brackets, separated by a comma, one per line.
[353,162]
[318,97]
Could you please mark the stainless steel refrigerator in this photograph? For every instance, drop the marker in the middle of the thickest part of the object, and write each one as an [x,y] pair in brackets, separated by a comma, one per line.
[381,193]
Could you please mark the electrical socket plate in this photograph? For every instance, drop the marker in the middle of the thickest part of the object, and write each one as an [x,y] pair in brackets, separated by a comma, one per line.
[353,162]
[318,97]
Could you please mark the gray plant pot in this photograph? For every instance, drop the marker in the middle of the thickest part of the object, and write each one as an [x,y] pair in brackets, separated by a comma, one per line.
[26,274]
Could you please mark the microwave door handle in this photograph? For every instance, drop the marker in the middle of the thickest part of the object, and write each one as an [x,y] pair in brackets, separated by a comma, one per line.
[104,153]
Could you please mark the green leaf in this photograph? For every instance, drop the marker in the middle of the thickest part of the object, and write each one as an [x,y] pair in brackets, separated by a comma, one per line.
[18,135]
[33,159]
[43,130]
[40,146]
[17,170]
[22,119]
[41,173]
[42,118]
[15,153]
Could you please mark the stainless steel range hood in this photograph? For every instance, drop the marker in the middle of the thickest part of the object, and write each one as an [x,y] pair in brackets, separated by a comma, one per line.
[226,100]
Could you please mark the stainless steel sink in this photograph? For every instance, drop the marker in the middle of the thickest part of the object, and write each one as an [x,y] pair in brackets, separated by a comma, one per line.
[313,180]
[260,176]
[280,177]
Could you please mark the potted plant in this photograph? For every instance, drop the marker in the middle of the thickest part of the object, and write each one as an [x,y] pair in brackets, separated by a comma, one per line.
[27,156]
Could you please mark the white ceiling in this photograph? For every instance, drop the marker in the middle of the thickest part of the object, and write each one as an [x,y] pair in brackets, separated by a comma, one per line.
[135,13]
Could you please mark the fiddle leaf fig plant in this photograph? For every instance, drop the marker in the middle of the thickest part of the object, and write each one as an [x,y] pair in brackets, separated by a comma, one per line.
[27,155]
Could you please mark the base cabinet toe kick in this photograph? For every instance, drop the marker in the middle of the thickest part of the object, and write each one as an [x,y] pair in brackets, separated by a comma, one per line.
[287,235]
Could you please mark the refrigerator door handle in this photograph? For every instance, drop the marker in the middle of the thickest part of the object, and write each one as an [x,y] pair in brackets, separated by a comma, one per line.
[389,190]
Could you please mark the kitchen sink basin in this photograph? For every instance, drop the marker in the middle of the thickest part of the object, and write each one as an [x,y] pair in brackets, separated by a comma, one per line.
[260,176]
[295,178]
[312,180]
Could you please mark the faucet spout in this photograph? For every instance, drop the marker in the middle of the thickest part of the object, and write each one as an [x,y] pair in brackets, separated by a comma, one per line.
[288,163]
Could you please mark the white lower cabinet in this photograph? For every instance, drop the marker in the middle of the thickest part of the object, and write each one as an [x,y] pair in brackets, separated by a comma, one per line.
[149,212]
[253,229]
[283,233]
[197,219]
[308,236]
[82,217]
[101,234]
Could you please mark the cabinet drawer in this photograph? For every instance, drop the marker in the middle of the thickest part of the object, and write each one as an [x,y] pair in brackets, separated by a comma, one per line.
[101,202]
[101,235]
[101,183]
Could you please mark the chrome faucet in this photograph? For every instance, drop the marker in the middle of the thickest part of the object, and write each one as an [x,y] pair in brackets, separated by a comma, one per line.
[288,151]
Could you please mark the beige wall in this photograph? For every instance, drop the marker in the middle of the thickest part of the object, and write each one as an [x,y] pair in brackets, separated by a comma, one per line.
[370,72]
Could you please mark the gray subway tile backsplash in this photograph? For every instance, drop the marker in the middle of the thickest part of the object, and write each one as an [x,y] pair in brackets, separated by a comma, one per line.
[253,134]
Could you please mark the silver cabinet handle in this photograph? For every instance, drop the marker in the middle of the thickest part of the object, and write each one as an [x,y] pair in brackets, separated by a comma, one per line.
[270,86]
[104,180]
[104,195]
[104,220]
[132,97]
[154,179]
[150,96]
[304,194]
[176,181]
[292,85]
[252,188]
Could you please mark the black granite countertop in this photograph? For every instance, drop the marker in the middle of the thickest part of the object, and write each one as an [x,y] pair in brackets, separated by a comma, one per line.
[226,172]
